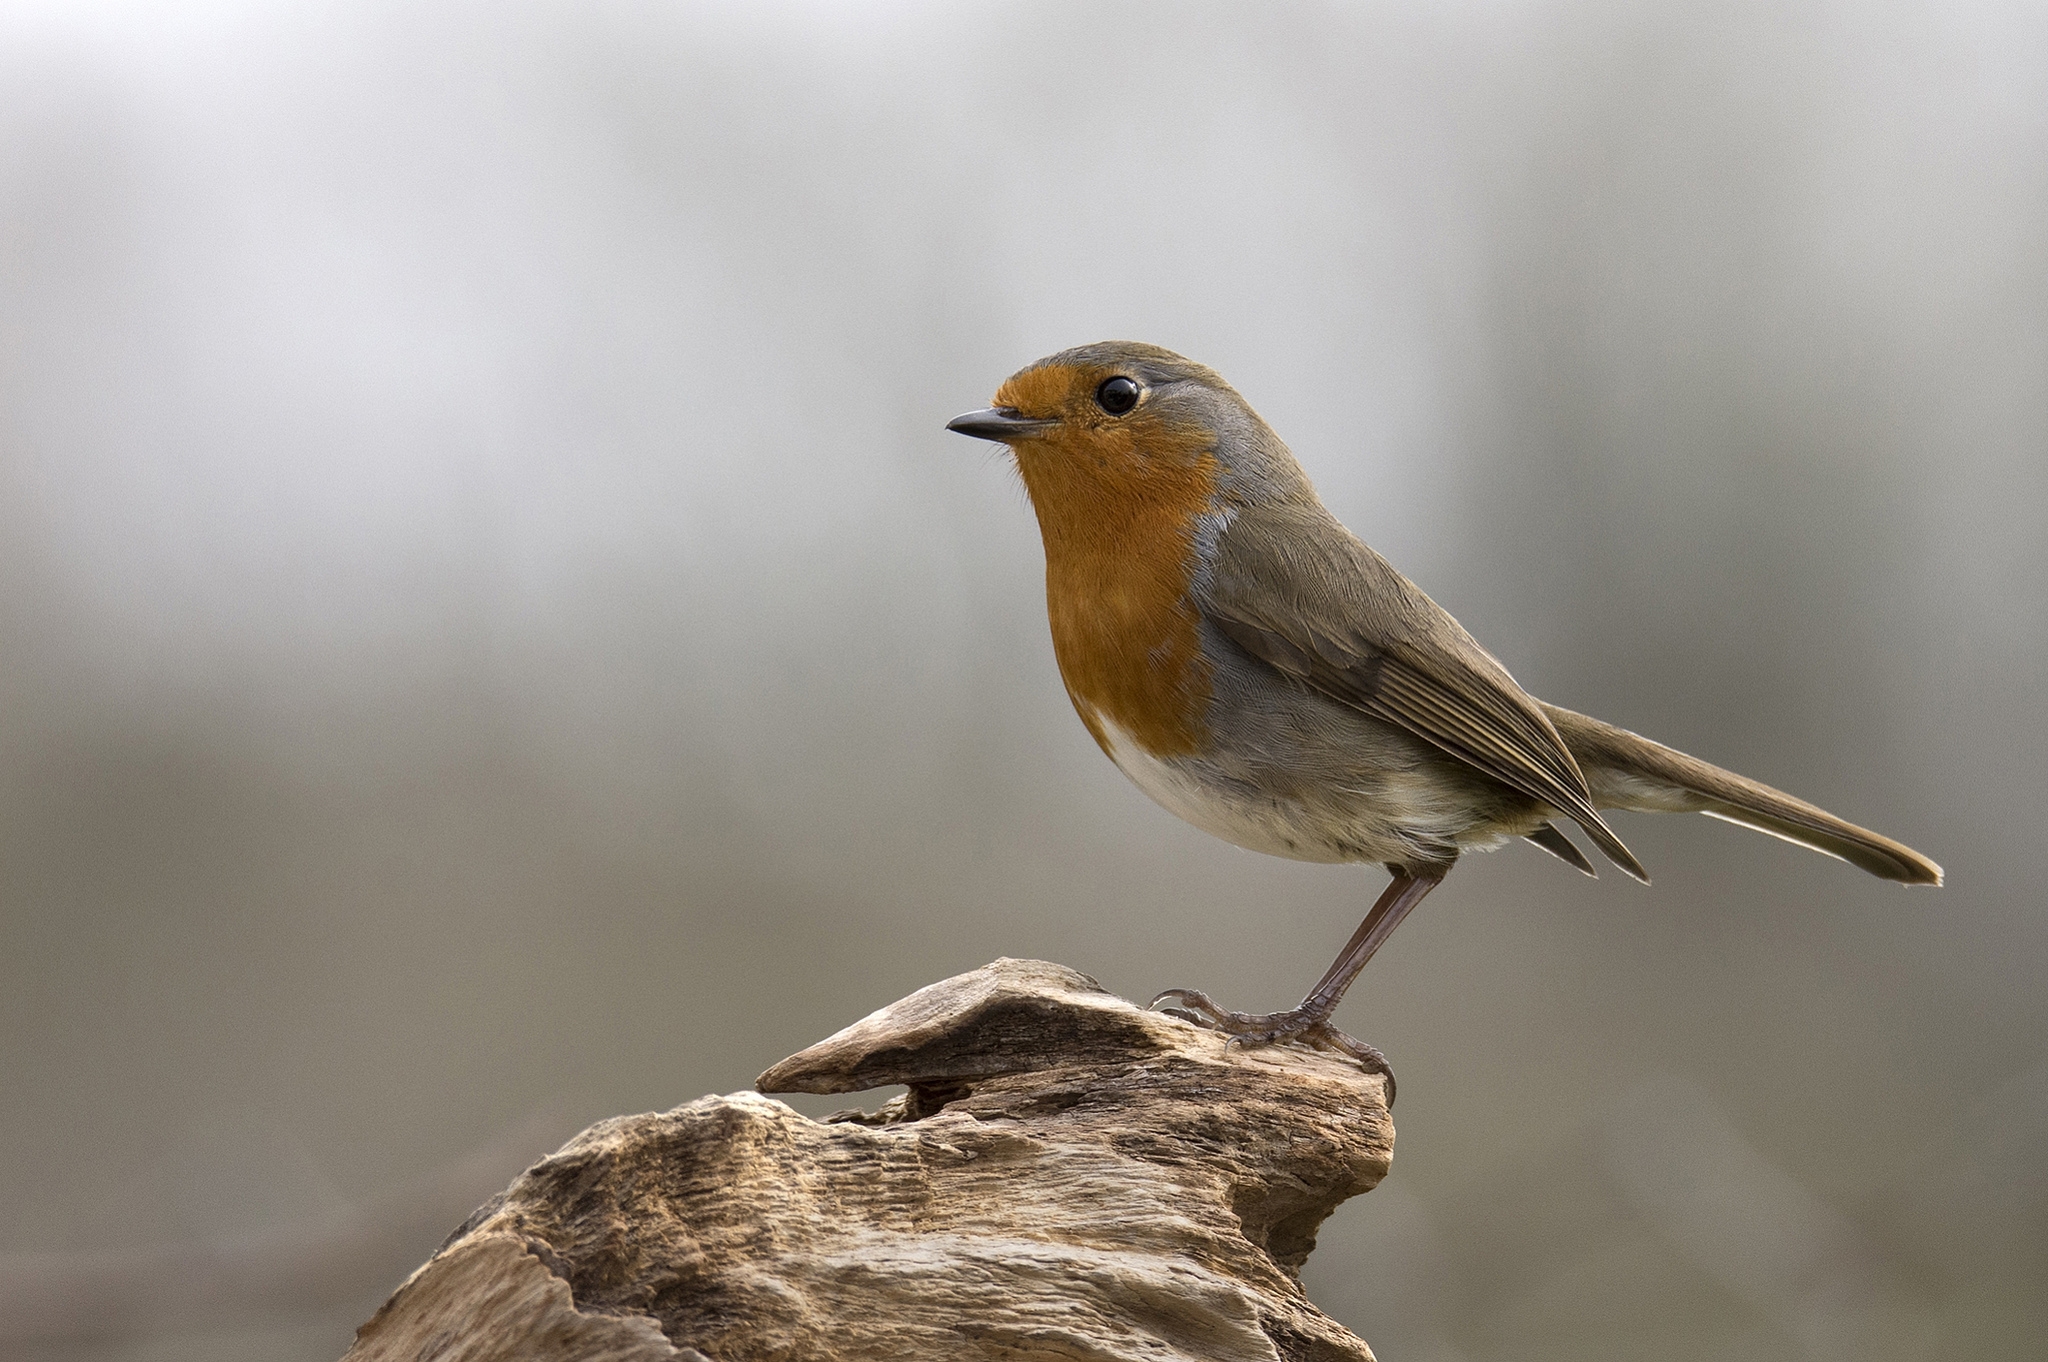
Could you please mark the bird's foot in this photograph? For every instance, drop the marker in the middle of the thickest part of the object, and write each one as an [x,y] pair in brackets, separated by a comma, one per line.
[1266,1028]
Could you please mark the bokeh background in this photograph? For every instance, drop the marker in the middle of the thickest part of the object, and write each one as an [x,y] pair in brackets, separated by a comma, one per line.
[494,635]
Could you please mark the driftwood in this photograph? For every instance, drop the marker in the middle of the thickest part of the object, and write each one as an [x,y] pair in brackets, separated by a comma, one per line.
[1068,1177]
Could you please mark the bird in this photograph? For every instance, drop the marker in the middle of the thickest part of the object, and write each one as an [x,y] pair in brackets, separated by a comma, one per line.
[1263,674]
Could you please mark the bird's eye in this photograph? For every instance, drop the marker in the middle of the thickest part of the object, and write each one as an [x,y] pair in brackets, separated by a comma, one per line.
[1117,395]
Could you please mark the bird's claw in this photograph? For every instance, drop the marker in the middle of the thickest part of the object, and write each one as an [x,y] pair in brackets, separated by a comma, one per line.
[1205,1012]
[1246,1028]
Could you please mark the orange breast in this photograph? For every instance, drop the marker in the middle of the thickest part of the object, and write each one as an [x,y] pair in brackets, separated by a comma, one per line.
[1117,505]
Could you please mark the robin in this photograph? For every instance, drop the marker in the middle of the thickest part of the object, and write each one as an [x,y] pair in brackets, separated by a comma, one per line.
[1259,671]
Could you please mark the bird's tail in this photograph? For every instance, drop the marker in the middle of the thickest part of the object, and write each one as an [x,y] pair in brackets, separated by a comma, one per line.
[1627,771]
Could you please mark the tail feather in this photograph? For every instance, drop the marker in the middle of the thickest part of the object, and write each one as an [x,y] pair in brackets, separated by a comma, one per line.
[1628,771]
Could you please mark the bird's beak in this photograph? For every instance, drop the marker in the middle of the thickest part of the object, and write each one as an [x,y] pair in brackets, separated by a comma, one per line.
[999,423]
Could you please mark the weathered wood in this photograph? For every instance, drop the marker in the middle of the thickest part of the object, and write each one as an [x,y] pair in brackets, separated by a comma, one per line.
[1068,1177]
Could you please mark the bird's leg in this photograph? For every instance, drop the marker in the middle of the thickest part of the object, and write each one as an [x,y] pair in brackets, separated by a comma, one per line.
[1310,1020]
[1398,900]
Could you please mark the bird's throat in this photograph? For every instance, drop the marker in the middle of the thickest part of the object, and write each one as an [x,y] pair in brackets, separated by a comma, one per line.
[1120,554]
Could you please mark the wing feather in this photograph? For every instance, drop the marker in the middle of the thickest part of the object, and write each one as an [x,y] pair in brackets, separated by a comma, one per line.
[1298,591]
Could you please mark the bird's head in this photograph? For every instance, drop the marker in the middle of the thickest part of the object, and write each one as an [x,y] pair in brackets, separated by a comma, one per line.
[1119,426]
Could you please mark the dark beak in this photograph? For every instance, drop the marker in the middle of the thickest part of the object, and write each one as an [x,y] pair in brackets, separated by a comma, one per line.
[999,423]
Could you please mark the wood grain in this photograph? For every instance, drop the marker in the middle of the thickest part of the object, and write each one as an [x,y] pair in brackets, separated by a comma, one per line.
[1068,1177]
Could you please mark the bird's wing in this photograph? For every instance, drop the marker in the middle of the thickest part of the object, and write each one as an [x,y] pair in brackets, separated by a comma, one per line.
[1298,591]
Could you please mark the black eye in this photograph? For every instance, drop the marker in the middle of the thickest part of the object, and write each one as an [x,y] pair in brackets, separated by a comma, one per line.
[1117,395]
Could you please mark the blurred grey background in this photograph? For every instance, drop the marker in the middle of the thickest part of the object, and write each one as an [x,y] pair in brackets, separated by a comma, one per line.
[493,633]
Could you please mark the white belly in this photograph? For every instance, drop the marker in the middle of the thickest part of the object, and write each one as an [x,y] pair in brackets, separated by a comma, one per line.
[1249,821]
[1398,815]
